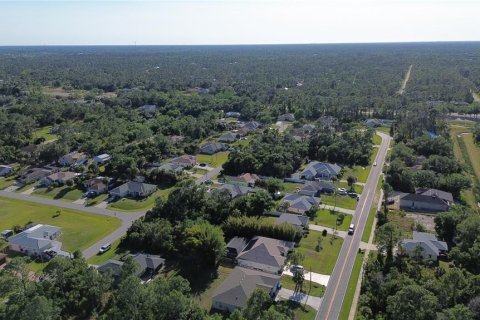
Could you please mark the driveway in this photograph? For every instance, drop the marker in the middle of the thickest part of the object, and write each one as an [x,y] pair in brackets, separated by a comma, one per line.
[102,205]
[13,188]
[209,175]
[29,191]
[316,227]
[313,302]
[316,277]
[80,201]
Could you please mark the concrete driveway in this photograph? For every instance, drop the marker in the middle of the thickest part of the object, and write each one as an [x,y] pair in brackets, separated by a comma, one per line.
[316,277]
[316,227]
[80,201]
[29,191]
[313,302]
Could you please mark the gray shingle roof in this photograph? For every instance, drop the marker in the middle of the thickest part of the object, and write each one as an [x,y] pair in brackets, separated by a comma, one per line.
[316,168]
[293,219]
[447,196]
[36,237]
[240,284]
[235,190]
[267,251]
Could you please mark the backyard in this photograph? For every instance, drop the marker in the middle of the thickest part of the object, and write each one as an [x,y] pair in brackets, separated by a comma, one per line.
[214,160]
[79,229]
[45,134]
[322,261]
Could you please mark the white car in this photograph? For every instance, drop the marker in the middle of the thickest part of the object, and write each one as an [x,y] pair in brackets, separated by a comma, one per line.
[351,229]
[375,164]
[104,248]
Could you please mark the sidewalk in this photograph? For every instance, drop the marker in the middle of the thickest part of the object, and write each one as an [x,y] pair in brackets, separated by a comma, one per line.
[343,210]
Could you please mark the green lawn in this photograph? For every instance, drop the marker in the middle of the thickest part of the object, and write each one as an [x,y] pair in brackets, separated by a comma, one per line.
[342,201]
[204,298]
[369,224]
[376,139]
[114,253]
[361,172]
[352,285]
[317,289]
[384,130]
[61,193]
[79,229]
[328,218]
[98,199]
[290,187]
[213,160]
[44,133]
[198,171]
[6,182]
[300,312]
[324,261]
[27,186]
[128,204]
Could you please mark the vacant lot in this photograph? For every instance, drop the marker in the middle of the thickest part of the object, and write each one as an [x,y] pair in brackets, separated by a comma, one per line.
[322,261]
[213,160]
[79,229]
[328,218]
[64,193]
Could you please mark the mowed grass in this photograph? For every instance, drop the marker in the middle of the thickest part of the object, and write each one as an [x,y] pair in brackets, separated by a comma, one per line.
[79,229]
[94,201]
[114,253]
[44,133]
[361,172]
[214,160]
[204,298]
[300,311]
[376,139]
[6,182]
[129,204]
[352,285]
[342,201]
[323,261]
[328,218]
[64,193]
[27,187]
[317,290]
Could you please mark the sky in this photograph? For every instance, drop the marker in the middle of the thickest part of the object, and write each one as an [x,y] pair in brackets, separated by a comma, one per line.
[191,22]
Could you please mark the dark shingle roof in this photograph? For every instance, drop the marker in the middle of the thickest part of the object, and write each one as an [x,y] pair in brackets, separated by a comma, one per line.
[293,219]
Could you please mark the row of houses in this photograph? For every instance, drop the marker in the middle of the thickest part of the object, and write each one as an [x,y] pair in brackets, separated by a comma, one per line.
[76,158]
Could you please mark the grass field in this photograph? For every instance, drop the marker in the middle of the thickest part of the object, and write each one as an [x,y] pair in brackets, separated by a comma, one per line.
[213,160]
[328,218]
[345,201]
[128,204]
[44,133]
[64,193]
[317,289]
[6,182]
[79,229]
[324,261]
[352,285]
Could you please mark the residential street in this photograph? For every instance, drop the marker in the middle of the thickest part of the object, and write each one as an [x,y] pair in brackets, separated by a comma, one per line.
[335,293]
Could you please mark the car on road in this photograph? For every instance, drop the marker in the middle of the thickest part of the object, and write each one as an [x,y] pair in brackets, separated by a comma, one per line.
[375,164]
[105,248]
[351,229]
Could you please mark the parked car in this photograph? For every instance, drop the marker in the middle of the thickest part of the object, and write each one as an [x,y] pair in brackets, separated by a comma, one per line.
[104,248]
[352,195]
[351,229]
[296,267]
[202,164]
[89,194]
[342,191]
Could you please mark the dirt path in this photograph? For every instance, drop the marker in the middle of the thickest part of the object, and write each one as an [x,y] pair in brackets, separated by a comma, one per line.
[405,80]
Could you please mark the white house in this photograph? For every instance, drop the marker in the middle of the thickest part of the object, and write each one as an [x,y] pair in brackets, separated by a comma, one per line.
[430,247]
[265,254]
[102,158]
[35,240]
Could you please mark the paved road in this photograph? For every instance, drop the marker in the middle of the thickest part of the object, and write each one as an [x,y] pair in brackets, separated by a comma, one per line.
[335,293]
[126,218]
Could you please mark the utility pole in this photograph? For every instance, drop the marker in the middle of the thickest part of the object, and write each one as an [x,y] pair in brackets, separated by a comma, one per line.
[309,287]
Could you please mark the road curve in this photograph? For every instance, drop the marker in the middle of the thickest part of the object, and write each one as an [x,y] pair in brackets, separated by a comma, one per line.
[337,285]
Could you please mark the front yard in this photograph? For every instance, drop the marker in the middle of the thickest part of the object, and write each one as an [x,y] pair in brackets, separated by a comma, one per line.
[79,229]
[214,160]
[64,193]
[328,218]
[322,261]
[342,201]
[129,204]
[6,182]
[317,289]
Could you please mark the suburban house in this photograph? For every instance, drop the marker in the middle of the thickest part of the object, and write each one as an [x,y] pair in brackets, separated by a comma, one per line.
[102,158]
[97,185]
[58,177]
[232,114]
[235,190]
[229,137]
[5,170]
[431,247]
[186,161]
[245,128]
[246,180]
[428,200]
[74,158]
[235,246]
[148,265]
[35,240]
[133,189]
[299,222]
[320,170]
[34,175]
[212,148]
[286,117]
[235,290]
[299,204]
[308,128]
[265,254]
[316,188]
[168,167]
[373,123]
